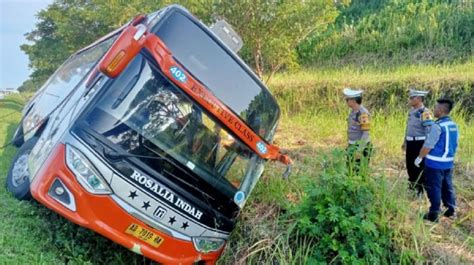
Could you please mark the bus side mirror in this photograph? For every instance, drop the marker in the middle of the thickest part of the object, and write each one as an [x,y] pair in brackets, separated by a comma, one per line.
[124,49]
[137,20]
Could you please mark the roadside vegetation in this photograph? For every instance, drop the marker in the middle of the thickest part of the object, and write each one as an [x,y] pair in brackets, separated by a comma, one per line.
[388,33]
[306,217]
[323,214]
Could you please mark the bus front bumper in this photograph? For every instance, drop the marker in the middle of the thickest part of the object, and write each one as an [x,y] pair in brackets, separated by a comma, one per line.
[103,215]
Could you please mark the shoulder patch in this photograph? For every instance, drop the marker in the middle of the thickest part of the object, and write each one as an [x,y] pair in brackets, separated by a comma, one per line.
[426,115]
[427,118]
[364,121]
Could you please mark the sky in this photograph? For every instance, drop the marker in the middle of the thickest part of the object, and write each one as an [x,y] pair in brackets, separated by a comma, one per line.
[17,17]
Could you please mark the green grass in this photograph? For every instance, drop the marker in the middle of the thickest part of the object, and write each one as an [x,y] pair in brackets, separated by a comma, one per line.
[312,127]
[388,32]
[308,92]
[368,76]
[18,241]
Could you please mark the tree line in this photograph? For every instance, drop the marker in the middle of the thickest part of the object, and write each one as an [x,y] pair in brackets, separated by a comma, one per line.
[278,34]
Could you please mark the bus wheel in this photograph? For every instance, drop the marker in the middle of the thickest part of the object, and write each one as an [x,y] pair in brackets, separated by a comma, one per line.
[18,181]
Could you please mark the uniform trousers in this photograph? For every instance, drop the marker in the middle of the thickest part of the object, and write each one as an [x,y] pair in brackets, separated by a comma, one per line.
[439,187]
[415,178]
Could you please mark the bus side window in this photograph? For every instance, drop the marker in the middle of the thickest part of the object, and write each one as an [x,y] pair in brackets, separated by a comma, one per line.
[75,69]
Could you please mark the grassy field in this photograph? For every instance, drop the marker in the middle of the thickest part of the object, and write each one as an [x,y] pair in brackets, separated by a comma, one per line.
[271,227]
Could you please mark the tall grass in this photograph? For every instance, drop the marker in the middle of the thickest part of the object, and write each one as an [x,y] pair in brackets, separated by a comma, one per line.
[308,91]
[395,32]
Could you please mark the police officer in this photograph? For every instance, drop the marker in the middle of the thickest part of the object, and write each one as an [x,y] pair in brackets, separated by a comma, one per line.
[358,129]
[419,121]
[438,152]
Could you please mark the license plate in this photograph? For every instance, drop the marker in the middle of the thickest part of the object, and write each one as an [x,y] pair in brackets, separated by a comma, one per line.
[144,234]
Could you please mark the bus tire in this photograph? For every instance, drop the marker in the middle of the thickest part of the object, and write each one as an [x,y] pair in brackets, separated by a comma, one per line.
[18,181]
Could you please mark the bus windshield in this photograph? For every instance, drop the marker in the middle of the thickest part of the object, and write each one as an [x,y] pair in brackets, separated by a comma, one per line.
[143,112]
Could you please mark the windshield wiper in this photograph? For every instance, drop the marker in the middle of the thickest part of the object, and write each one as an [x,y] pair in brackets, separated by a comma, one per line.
[115,155]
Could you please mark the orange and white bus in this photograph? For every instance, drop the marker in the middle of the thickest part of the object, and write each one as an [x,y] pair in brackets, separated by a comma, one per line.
[154,137]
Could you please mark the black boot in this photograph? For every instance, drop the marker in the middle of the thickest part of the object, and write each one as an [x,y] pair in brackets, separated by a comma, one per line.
[450,213]
[431,216]
[419,192]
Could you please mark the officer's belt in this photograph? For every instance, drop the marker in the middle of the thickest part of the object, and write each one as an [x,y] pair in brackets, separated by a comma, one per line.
[415,138]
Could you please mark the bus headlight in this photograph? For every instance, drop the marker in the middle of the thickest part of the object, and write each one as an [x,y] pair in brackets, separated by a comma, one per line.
[85,173]
[208,244]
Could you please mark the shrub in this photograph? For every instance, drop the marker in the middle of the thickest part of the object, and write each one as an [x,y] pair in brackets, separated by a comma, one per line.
[346,214]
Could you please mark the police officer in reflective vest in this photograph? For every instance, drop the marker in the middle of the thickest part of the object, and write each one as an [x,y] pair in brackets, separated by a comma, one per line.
[419,122]
[358,129]
[438,152]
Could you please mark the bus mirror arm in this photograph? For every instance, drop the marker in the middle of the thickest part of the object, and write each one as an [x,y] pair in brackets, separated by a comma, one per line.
[287,173]
[285,159]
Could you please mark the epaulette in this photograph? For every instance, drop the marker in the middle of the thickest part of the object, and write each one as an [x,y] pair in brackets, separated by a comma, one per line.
[426,117]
